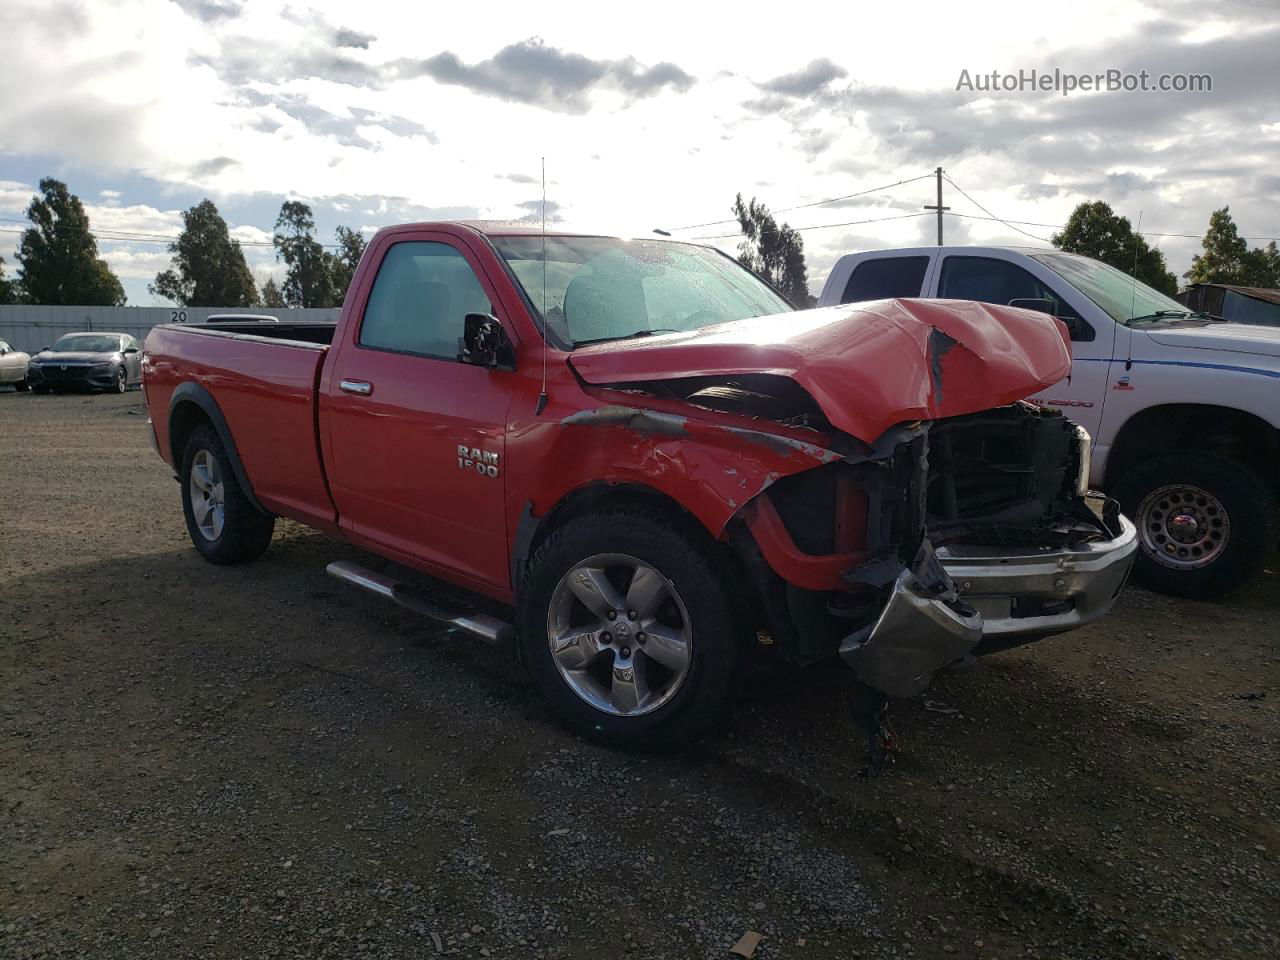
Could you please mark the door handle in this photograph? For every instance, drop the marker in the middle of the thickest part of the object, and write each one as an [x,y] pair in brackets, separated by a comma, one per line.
[359,387]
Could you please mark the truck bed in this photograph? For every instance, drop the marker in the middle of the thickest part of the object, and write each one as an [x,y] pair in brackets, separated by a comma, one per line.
[263,378]
[301,331]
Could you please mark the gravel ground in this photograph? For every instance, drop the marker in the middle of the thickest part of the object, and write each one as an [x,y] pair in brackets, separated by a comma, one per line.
[207,762]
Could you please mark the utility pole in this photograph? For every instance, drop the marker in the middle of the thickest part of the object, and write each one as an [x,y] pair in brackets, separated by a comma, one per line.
[939,207]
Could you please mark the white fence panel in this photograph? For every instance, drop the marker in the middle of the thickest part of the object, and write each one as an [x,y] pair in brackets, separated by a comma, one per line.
[30,328]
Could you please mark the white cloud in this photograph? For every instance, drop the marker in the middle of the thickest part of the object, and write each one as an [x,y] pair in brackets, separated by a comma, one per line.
[394,110]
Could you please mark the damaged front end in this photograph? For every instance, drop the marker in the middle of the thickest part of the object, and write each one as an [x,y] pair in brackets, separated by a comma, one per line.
[942,539]
[887,493]
[924,625]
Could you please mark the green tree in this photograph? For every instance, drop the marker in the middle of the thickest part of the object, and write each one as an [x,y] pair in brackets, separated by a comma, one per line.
[342,265]
[771,251]
[1226,256]
[8,288]
[308,279]
[59,256]
[1264,267]
[271,295]
[1095,230]
[209,268]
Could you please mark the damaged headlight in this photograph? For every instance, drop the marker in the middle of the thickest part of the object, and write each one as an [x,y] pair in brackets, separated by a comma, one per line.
[1083,443]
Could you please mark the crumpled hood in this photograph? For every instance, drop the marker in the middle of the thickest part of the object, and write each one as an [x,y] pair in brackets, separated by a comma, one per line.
[868,366]
[1233,337]
[70,356]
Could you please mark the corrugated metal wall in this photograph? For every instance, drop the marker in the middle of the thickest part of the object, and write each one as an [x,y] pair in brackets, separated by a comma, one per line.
[30,328]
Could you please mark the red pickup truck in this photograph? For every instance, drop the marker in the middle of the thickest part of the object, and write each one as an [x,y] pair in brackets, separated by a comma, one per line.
[638,460]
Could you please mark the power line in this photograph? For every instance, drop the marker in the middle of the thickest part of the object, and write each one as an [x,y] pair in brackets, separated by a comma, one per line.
[824,226]
[992,215]
[121,236]
[1062,226]
[805,206]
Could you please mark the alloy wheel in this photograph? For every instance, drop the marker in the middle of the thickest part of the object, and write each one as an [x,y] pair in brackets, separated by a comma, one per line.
[207,495]
[620,635]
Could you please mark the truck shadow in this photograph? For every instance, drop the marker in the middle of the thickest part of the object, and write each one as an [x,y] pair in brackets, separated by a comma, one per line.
[283,609]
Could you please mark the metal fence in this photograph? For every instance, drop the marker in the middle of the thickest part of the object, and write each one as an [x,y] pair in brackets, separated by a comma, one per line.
[31,328]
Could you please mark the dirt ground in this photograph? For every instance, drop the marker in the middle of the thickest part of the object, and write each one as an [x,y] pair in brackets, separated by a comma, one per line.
[260,762]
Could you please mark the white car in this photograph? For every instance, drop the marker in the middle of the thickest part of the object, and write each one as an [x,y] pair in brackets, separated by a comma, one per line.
[13,366]
[1184,408]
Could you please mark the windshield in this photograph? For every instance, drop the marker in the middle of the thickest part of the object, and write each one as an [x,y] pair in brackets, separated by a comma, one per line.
[1113,290]
[86,343]
[600,288]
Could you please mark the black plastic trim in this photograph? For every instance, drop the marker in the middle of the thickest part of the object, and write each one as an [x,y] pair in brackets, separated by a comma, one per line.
[194,393]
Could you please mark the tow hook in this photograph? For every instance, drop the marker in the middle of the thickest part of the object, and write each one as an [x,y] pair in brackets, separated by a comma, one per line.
[871,713]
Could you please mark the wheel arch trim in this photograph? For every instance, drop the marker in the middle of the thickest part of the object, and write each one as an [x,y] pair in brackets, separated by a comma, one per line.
[196,395]
[1155,429]
[532,529]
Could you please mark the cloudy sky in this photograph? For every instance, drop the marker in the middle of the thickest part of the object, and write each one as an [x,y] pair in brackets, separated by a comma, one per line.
[649,115]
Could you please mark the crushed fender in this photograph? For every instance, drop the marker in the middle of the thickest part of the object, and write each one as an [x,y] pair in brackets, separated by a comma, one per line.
[632,418]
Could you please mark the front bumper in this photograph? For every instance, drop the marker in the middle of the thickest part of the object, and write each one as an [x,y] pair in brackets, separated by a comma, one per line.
[1038,593]
[76,375]
[987,599]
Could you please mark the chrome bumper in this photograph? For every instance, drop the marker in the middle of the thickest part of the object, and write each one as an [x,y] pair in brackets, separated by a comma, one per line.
[986,594]
[916,633]
[1039,593]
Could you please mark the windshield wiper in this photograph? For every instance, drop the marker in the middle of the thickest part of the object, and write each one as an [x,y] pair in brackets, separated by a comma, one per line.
[1161,315]
[1177,315]
[648,332]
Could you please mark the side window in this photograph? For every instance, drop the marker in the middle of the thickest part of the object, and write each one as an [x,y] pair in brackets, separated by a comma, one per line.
[419,299]
[988,280]
[886,277]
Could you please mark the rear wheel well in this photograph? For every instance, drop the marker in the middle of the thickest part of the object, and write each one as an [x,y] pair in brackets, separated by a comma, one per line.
[183,419]
[1228,432]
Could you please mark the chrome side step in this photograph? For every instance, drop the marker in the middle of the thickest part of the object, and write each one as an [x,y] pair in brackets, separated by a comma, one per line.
[487,628]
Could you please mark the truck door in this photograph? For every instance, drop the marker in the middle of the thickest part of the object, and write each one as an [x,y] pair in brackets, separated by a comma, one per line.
[993,279]
[414,439]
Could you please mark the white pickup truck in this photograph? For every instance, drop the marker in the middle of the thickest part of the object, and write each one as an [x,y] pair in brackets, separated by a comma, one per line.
[1184,408]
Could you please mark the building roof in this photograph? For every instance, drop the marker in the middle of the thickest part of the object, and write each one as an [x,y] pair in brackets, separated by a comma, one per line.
[1269,294]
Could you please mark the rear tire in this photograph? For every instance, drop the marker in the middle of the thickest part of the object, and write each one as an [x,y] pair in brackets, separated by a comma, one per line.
[1206,523]
[224,526]
[609,680]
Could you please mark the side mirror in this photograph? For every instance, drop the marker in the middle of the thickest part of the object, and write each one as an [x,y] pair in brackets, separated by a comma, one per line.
[130,349]
[485,344]
[3,351]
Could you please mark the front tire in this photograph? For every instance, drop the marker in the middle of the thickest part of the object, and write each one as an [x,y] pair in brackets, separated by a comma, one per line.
[630,629]
[1205,523]
[122,381]
[224,526]
[39,388]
